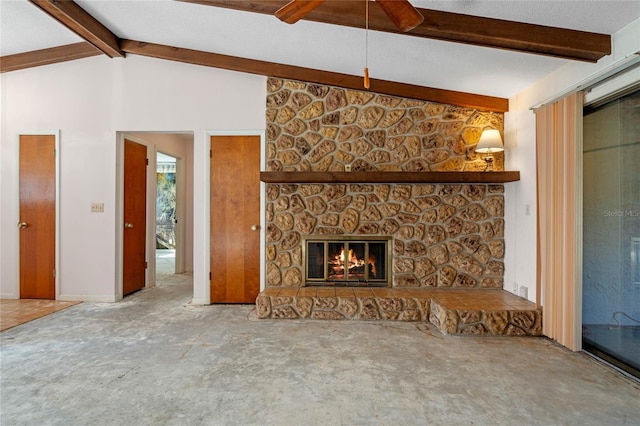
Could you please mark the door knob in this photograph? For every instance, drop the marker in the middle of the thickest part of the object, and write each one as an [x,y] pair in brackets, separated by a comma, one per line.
[22,225]
[255,227]
[128,225]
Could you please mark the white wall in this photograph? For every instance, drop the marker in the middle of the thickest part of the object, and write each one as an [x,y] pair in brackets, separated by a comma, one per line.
[90,101]
[520,231]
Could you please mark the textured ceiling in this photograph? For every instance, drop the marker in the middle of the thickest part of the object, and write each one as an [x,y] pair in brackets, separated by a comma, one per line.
[392,57]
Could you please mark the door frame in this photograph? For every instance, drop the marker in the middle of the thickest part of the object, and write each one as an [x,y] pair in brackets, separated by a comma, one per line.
[181,189]
[206,290]
[56,135]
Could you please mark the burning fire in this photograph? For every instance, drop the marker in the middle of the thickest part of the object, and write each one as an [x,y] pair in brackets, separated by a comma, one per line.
[351,261]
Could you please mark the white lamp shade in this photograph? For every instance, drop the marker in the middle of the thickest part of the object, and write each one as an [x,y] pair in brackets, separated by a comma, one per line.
[490,141]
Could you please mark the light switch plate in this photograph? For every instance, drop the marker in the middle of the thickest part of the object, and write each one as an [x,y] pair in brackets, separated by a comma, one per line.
[97,207]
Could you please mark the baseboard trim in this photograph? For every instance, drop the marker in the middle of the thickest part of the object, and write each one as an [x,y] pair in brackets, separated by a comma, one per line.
[9,296]
[107,298]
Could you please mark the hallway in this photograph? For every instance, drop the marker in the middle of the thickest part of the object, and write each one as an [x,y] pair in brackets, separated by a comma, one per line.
[153,359]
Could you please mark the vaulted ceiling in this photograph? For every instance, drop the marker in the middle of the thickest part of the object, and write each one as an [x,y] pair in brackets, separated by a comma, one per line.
[475,52]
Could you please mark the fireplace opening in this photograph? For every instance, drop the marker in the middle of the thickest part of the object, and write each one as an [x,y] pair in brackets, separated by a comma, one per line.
[347,261]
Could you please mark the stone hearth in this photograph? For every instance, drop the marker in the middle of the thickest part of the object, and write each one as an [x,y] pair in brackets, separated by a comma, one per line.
[452,311]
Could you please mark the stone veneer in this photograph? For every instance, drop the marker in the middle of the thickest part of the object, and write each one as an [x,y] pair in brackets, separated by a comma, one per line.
[443,235]
[491,312]
[311,127]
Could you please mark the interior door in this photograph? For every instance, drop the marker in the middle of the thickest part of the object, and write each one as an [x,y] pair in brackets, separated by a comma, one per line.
[37,182]
[235,219]
[135,217]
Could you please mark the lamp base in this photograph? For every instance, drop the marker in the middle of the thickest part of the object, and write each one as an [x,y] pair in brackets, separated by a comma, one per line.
[489,163]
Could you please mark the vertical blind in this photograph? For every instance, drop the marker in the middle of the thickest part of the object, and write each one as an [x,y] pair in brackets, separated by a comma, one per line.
[558,139]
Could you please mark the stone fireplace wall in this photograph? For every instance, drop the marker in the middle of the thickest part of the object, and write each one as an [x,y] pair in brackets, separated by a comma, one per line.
[443,235]
[311,127]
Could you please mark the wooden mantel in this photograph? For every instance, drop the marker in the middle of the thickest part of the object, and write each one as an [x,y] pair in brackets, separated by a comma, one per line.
[390,177]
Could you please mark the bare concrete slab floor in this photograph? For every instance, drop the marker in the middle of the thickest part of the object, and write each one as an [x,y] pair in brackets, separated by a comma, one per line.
[165,263]
[155,360]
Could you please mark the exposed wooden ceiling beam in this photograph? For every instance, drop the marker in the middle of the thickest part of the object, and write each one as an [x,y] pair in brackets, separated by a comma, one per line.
[251,66]
[52,55]
[69,14]
[454,27]
[84,50]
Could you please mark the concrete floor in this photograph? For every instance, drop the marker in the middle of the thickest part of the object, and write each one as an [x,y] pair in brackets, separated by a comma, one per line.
[155,360]
[165,263]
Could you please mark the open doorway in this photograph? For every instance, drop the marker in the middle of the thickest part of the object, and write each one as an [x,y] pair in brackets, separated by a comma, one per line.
[174,264]
[166,214]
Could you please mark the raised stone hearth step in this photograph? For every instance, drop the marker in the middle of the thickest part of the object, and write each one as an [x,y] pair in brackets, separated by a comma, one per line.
[473,311]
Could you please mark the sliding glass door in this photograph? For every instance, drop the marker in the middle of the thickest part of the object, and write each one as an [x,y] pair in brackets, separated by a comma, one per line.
[611,232]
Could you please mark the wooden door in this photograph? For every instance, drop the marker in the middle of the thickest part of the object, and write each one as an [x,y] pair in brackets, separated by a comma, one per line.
[37,176]
[235,219]
[135,217]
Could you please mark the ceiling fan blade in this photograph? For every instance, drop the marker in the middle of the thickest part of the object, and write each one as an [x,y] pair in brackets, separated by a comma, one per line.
[295,10]
[403,15]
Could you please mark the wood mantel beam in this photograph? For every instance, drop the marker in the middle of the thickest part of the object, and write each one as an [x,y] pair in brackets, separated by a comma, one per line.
[252,66]
[454,27]
[52,55]
[72,16]
[391,177]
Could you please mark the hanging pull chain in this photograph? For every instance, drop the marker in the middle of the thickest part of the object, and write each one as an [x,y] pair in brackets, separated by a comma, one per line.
[367,83]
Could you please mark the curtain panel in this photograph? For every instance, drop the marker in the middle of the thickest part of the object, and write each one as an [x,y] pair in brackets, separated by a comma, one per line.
[559,189]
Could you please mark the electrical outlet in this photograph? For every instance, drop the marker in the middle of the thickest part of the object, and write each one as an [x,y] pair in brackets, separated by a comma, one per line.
[527,209]
[97,207]
[523,292]
[347,167]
